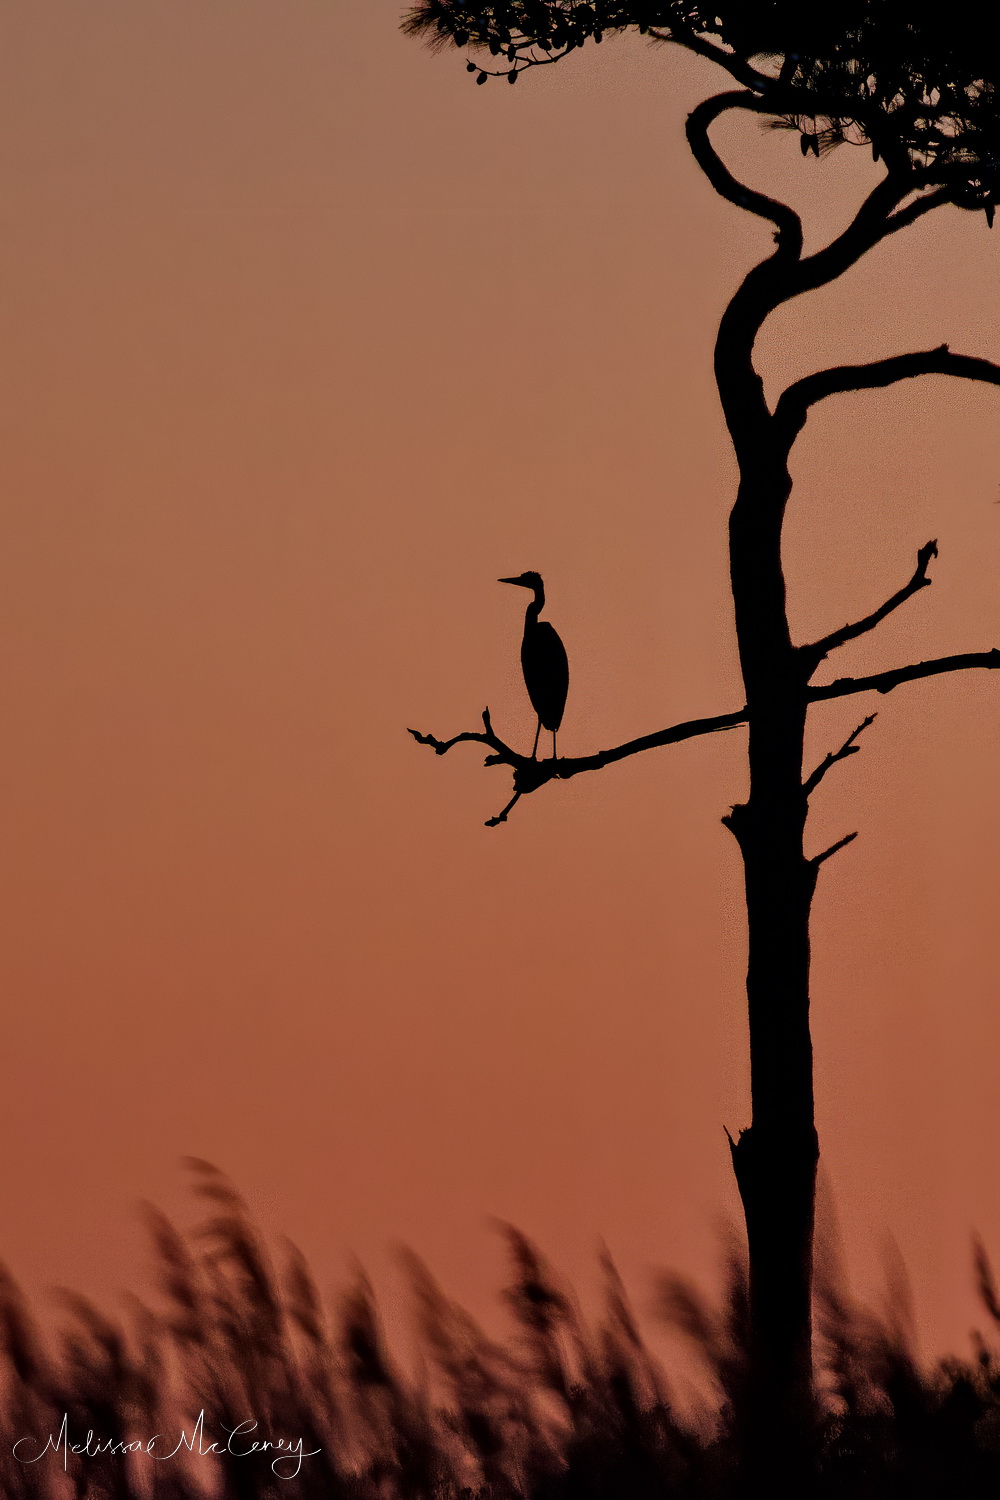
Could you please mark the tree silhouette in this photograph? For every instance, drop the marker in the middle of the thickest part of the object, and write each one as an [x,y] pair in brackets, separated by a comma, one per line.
[922,95]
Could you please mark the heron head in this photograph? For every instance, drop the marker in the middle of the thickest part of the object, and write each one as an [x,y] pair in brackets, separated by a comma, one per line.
[526,580]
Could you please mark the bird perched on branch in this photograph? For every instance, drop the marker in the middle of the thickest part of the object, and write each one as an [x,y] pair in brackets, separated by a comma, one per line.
[543,661]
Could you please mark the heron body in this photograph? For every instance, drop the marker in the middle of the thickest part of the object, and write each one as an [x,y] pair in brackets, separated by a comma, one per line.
[543,661]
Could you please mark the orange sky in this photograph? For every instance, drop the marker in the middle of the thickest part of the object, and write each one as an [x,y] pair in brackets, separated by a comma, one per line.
[305,341]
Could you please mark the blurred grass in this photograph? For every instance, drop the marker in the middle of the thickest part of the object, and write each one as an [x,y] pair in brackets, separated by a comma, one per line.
[566,1409]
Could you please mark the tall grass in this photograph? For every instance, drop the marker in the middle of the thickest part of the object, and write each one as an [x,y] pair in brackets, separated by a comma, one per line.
[567,1409]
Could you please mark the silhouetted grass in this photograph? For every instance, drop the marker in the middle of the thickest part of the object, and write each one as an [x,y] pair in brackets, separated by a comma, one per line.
[567,1409]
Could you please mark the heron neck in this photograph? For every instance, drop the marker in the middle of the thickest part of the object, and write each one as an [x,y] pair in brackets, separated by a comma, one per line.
[536,606]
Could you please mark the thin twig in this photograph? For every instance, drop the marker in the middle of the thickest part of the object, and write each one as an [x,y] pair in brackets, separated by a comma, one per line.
[441,747]
[847,748]
[501,816]
[818,859]
[819,649]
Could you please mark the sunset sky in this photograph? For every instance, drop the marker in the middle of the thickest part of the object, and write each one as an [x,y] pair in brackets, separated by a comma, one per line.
[305,341]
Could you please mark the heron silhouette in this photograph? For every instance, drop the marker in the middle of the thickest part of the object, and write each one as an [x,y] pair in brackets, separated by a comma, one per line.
[543,661]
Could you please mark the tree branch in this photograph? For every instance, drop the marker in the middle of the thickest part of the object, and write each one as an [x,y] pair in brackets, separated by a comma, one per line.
[884,682]
[531,774]
[819,649]
[777,280]
[735,65]
[501,816]
[920,206]
[441,747]
[786,221]
[794,403]
[818,859]
[846,749]
[687,730]
[865,230]
[871,223]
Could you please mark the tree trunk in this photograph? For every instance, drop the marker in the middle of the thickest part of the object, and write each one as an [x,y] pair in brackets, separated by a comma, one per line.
[775,1159]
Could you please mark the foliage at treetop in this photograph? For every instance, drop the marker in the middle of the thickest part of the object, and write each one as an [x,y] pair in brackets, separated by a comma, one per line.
[919,84]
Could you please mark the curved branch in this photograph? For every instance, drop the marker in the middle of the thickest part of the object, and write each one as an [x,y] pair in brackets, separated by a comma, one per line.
[735,65]
[441,747]
[777,280]
[794,403]
[884,682]
[878,217]
[871,223]
[786,221]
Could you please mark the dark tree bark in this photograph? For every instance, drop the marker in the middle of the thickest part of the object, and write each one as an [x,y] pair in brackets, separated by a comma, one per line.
[775,1158]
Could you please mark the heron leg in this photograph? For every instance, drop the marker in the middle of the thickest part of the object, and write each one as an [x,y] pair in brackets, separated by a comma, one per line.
[534,748]
[553,744]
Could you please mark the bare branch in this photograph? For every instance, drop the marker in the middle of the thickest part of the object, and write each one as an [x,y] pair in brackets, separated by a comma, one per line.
[884,682]
[819,649]
[688,730]
[504,753]
[526,770]
[501,816]
[794,403]
[847,748]
[531,774]
[818,859]
[785,219]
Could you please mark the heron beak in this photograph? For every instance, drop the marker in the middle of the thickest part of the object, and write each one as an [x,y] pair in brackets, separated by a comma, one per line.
[508,580]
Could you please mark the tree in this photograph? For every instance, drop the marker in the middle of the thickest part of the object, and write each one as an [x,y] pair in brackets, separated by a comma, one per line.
[922,95]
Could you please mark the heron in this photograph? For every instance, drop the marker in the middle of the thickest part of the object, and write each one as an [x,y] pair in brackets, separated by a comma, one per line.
[543,661]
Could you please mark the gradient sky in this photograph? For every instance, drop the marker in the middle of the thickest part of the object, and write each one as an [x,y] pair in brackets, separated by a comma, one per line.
[305,341]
